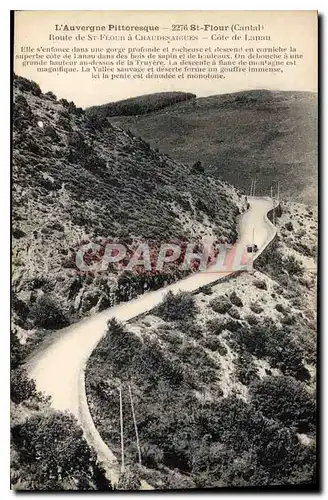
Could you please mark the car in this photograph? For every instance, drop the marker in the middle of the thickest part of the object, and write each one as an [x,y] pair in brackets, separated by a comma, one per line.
[252,248]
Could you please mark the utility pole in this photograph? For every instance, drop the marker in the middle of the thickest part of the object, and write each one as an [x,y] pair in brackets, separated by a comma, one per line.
[254,186]
[251,192]
[278,193]
[122,434]
[273,208]
[135,425]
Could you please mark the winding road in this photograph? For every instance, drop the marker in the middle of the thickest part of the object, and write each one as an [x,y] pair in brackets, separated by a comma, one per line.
[58,365]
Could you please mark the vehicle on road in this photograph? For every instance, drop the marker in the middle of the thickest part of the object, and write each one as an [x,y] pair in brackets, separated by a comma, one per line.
[252,248]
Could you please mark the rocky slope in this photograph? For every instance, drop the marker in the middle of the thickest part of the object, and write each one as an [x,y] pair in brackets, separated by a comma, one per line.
[231,401]
[78,179]
[269,133]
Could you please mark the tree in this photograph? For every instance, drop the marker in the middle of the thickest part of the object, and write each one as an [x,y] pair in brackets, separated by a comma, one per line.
[45,313]
[54,455]
[21,387]
[285,399]
[177,307]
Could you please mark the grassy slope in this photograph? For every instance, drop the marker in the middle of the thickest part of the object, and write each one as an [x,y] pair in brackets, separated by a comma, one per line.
[209,412]
[237,135]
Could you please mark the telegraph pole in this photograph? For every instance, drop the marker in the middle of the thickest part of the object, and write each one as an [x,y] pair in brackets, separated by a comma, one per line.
[273,208]
[122,434]
[254,186]
[250,194]
[135,425]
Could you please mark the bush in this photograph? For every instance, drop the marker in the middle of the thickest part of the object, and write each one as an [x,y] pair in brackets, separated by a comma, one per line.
[152,455]
[21,387]
[64,102]
[221,304]
[287,400]
[232,325]
[289,226]
[51,95]
[260,284]
[129,481]
[206,290]
[215,326]
[46,313]
[213,343]
[246,371]
[53,454]
[280,308]
[251,319]
[178,307]
[234,313]
[256,308]
[27,85]
[64,123]
[235,300]
[293,266]
[51,132]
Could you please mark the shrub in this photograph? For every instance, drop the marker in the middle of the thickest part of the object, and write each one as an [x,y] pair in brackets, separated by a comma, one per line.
[220,304]
[97,122]
[51,95]
[21,387]
[232,325]
[64,123]
[178,307]
[64,102]
[293,266]
[289,226]
[260,284]
[246,371]
[206,290]
[27,85]
[17,350]
[212,342]
[234,313]
[280,308]
[256,308]
[287,400]
[236,300]
[152,455]
[288,319]
[51,132]
[129,481]
[251,319]
[46,313]
[215,326]
[191,329]
[53,454]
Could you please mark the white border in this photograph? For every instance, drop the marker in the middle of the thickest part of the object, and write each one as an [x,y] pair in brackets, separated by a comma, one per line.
[321,6]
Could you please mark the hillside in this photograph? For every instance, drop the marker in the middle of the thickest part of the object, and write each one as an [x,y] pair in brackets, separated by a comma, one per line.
[223,381]
[269,133]
[140,105]
[78,179]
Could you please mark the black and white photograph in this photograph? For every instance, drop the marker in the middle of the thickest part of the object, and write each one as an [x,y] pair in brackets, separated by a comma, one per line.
[164,251]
